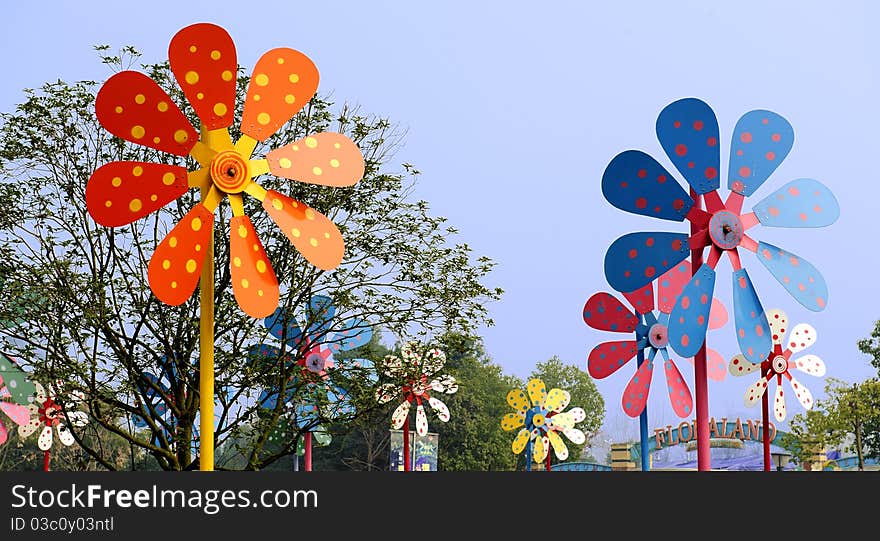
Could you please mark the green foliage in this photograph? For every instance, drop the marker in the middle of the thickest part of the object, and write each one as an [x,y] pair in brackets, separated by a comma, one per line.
[871,346]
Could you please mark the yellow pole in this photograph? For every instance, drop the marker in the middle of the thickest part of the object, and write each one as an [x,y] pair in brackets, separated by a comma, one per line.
[206,353]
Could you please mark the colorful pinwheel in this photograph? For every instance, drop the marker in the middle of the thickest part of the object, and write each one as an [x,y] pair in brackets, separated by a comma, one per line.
[541,417]
[48,411]
[133,107]
[606,313]
[19,387]
[635,182]
[413,376]
[779,363]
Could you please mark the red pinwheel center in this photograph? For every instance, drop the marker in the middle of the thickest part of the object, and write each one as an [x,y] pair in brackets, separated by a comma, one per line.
[726,230]
[315,362]
[229,171]
[779,364]
[50,412]
[658,336]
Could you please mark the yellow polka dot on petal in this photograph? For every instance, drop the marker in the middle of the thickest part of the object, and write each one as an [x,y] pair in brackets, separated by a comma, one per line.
[277,203]
[181,136]
[245,283]
[295,232]
[215,55]
[191,77]
[285,163]
[200,95]
[337,145]
[116,182]
[260,292]
[256,247]
[108,203]
[139,99]
[256,97]
[290,98]
[173,285]
[219,109]
[311,142]
[154,197]
[326,235]
[156,140]
[118,109]
[172,242]
[192,48]
[226,75]
[196,224]
[294,78]
[135,205]
[263,118]
[334,163]
[198,247]
[162,106]
[261,79]
[295,204]
[137,132]
[310,214]
[236,261]
[313,241]
[168,179]
[242,231]
[191,266]
[137,171]
[317,171]
[166,264]
[280,60]
[261,266]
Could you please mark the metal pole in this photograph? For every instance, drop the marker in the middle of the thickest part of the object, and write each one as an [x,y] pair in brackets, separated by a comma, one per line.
[701,388]
[765,437]
[206,353]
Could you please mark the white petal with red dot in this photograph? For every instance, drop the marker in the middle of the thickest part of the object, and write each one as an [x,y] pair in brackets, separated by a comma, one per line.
[27,429]
[778,322]
[400,414]
[537,392]
[539,453]
[65,435]
[811,364]
[562,420]
[421,420]
[440,408]
[804,396]
[385,393]
[78,418]
[176,265]
[119,193]
[314,235]
[44,442]
[576,435]
[577,414]
[779,404]
[755,392]
[511,421]
[556,400]
[520,441]
[445,384]
[739,366]
[517,400]
[327,159]
[40,392]
[802,336]
[559,447]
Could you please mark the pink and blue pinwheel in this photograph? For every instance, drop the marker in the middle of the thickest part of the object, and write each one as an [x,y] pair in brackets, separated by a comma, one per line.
[637,183]
[605,312]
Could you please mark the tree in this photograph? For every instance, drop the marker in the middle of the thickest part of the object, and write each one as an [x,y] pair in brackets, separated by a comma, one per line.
[871,346]
[96,324]
[584,394]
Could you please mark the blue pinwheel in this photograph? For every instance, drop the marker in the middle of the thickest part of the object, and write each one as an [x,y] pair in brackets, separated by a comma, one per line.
[637,183]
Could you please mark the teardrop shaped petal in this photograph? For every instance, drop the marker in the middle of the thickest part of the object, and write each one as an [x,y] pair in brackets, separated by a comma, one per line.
[314,235]
[779,404]
[671,284]
[608,357]
[540,451]
[689,319]
[803,202]
[635,396]
[752,329]
[761,140]
[518,400]
[740,366]
[804,396]
[559,447]
[421,420]
[327,159]
[688,131]
[755,392]
[44,442]
[176,265]
[717,315]
[537,391]
[679,393]
[520,441]
[642,299]
[635,182]
[65,435]
[576,435]
[400,415]
[797,275]
[636,259]
[605,312]
[119,193]
[440,408]
[802,336]
[811,364]
[511,421]
[253,280]
[133,107]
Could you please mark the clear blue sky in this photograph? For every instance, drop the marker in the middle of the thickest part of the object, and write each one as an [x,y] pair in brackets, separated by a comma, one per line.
[515,108]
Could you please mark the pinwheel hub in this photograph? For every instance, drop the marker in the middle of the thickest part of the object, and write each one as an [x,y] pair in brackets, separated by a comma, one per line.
[50,412]
[229,171]
[725,230]
[658,336]
[779,365]
[536,417]
[315,362]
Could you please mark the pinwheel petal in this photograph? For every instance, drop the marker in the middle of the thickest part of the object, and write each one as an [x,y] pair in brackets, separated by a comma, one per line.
[679,393]
[283,82]
[636,259]
[44,442]
[326,159]
[355,332]
[604,312]
[19,414]
[385,393]
[520,441]
[133,107]
[518,400]
[635,396]
[755,392]
[562,421]
[811,364]
[576,435]
[802,336]
[400,415]
[797,275]
[421,420]
[642,299]
[761,140]
[313,234]
[512,421]
[717,315]
[800,203]
[557,401]
[577,414]
[445,384]
[3,434]
[253,280]
[539,453]
[65,435]
[634,182]
[606,358]
[715,368]
[40,392]
[289,331]
[688,131]
[176,265]
[78,418]
[559,447]
[203,60]
[537,391]
[690,316]
[439,407]
[778,322]
[26,430]
[804,396]
[20,388]
[671,284]
[752,329]
[779,404]
[119,193]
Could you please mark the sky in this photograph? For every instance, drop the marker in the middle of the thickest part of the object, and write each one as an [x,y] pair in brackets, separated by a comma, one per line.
[512,112]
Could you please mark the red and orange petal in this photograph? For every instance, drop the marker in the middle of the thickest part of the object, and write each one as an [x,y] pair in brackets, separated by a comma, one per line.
[119,193]
[203,60]
[313,234]
[328,159]
[282,83]
[253,280]
[131,106]
[176,264]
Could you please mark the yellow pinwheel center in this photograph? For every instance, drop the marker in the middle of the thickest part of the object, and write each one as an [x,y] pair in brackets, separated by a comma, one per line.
[229,171]
[538,420]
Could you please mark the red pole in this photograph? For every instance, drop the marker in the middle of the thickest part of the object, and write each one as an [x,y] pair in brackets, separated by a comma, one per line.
[406,464]
[765,437]
[46,460]
[308,451]
[548,460]
[701,390]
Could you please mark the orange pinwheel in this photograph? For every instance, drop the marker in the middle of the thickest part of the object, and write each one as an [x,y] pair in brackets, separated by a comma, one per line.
[133,107]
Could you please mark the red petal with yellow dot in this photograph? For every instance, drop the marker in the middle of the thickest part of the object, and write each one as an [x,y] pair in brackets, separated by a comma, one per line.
[177,263]
[283,82]
[203,60]
[119,193]
[328,159]
[313,234]
[131,106]
[253,280]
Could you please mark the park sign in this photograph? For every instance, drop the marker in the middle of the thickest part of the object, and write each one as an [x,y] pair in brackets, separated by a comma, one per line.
[724,429]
